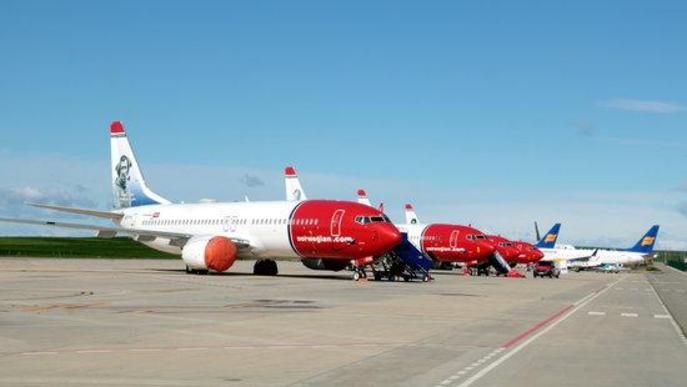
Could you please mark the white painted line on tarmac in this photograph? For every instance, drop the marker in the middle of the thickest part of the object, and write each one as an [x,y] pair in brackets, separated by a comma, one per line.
[661,316]
[94,351]
[676,270]
[192,349]
[145,350]
[672,319]
[578,305]
[596,313]
[629,315]
[39,353]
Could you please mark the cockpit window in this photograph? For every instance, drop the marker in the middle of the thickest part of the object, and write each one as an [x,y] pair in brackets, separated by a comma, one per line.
[505,244]
[372,219]
[480,236]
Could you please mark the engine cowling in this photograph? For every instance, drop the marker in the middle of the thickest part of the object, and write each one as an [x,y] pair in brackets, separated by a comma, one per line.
[216,253]
[325,264]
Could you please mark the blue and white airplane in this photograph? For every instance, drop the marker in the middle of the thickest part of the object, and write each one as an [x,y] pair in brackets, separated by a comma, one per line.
[568,255]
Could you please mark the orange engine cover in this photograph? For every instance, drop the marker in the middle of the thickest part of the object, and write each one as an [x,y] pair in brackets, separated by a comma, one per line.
[220,254]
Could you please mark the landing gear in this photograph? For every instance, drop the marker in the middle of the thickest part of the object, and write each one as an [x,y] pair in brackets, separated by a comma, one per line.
[195,271]
[265,267]
[359,273]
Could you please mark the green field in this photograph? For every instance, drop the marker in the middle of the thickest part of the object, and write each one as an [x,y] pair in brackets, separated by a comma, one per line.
[76,248]
[675,259]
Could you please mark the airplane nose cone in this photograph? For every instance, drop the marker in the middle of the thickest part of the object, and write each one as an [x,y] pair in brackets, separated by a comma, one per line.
[485,249]
[538,255]
[388,237]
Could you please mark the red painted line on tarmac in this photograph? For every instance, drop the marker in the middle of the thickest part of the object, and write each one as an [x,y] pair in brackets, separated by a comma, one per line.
[536,327]
[544,322]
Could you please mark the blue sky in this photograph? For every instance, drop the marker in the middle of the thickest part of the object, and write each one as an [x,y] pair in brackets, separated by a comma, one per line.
[491,113]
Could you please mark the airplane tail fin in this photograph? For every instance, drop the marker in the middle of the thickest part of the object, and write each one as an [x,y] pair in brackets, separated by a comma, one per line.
[128,185]
[411,216]
[550,238]
[363,199]
[646,244]
[294,191]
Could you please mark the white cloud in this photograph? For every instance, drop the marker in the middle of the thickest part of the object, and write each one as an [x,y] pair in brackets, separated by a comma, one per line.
[636,105]
[613,219]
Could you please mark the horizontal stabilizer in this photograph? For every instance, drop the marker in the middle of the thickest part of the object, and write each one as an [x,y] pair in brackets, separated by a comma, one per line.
[80,211]
[100,229]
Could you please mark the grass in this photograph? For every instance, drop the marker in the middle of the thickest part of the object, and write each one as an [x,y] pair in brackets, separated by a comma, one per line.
[675,259]
[76,248]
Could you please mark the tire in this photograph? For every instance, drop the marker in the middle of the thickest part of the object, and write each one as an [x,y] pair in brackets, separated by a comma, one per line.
[188,270]
[425,278]
[356,276]
[378,277]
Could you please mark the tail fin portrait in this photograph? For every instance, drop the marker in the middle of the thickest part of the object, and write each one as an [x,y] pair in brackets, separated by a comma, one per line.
[128,185]
[294,191]
[550,238]
[646,244]
[411,216]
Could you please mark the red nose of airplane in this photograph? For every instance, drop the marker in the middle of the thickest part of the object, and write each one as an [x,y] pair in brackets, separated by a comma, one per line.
[388,237]
[485,250]
[537,254]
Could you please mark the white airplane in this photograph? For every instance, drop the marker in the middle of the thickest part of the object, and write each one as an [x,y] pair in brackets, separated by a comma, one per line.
[211,236]
[571,256]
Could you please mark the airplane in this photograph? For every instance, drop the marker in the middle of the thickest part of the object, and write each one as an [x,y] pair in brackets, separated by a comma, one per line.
[568,255]
[211,236]
[623,257]
[516,252]
[443,243]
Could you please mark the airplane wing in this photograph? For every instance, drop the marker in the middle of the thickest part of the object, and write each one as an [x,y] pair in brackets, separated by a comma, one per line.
[80,211]
[176,238]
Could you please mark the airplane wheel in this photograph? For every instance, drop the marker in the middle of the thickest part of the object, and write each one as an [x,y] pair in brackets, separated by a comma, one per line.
[201,272]
[265,267]
[188,270]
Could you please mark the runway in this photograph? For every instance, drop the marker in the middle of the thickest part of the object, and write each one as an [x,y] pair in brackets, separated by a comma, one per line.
[146,322]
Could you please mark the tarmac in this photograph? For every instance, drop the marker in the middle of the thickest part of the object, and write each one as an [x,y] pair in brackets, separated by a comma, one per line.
[147,322]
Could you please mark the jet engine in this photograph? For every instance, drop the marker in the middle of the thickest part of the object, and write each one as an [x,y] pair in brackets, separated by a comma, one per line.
[325,264]
[216,253]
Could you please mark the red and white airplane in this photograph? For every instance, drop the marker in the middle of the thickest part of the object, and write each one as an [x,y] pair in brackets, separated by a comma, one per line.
[443,243]
[211,236]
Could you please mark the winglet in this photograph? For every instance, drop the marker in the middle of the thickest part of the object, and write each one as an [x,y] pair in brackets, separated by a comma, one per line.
[290,172]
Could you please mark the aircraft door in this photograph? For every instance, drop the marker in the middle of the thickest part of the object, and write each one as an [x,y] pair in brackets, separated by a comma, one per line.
[453,239]
[335,226]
